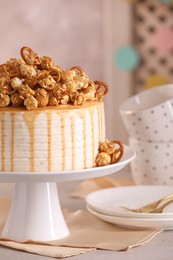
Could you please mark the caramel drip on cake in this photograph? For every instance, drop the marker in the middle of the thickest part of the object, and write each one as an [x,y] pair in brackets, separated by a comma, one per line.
[83,118]
[63,140]
[72,140]
[49,115]
[30,120]
[12,142]
[2,141]
[91,111]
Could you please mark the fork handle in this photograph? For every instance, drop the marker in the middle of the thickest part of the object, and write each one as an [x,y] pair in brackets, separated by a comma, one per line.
[156,203]
[161,208]
[167,197]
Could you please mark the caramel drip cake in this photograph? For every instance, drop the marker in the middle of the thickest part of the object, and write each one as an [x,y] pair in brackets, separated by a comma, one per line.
[51,139]
[51,119]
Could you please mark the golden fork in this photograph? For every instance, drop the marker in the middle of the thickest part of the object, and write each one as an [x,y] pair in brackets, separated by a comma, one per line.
[161,208]
[151,206]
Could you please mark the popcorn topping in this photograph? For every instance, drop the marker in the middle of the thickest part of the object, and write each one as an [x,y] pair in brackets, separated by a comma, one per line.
[109,152]
[31,103]
[42,97]
[4,100]
[103,159]
[16,99]
[33,81]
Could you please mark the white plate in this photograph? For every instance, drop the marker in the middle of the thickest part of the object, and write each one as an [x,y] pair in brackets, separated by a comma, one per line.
[134,223]
[71,175]
[110,201]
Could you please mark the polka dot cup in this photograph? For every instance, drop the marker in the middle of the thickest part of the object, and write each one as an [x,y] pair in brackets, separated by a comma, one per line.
[153,164]
[148,116]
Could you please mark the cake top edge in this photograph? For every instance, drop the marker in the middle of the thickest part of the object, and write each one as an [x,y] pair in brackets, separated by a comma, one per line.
[33,82]
[88,104]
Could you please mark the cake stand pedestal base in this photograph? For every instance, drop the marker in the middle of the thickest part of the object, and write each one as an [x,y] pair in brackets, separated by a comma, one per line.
[35,213]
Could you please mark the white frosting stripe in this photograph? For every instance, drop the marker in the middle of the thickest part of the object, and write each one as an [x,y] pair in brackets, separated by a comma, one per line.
[41,142]
[7,142]
[56,143]
[96,133]
[68,143]
[21,154]
[78,143]
[88,137]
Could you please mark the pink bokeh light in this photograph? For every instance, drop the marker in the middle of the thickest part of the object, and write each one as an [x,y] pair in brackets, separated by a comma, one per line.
[163,39]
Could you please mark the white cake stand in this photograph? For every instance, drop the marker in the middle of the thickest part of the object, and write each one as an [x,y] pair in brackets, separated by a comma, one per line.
[35,212]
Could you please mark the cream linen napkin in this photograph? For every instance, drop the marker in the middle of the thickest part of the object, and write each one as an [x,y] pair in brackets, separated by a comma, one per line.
[88,186]
[87,233]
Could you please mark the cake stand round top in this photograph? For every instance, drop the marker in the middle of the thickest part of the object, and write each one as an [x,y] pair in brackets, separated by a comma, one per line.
[71,175]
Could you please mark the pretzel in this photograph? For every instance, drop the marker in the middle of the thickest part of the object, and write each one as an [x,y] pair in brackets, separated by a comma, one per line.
[100,85]
[32,82]
[55,73]
[119,150]
[29,56]
[9,70]
[42,74]
[78,68]
[3,70]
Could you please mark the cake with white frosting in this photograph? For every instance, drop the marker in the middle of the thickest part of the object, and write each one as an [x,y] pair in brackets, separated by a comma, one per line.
[53,139]
[50,119]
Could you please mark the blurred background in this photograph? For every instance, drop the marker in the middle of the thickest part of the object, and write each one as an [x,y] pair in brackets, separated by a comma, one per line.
[126,43]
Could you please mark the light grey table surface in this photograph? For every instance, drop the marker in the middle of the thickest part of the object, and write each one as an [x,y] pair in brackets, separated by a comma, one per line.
[160,248]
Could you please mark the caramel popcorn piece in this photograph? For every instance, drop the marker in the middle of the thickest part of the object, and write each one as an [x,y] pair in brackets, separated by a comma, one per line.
[80,100]
[31,103]
[4,100]
[77,99]
[47,83]
[16,99]
[103,159]
[27,71]
[42,97]
[59,90]
[89,93]
[20,62]
[16,83]
[12,61]
[25,91]
[46,63]
[53,101]
[71,86]
[64,100]
[107,147]
[68,75]
[82,82]
[5,86]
